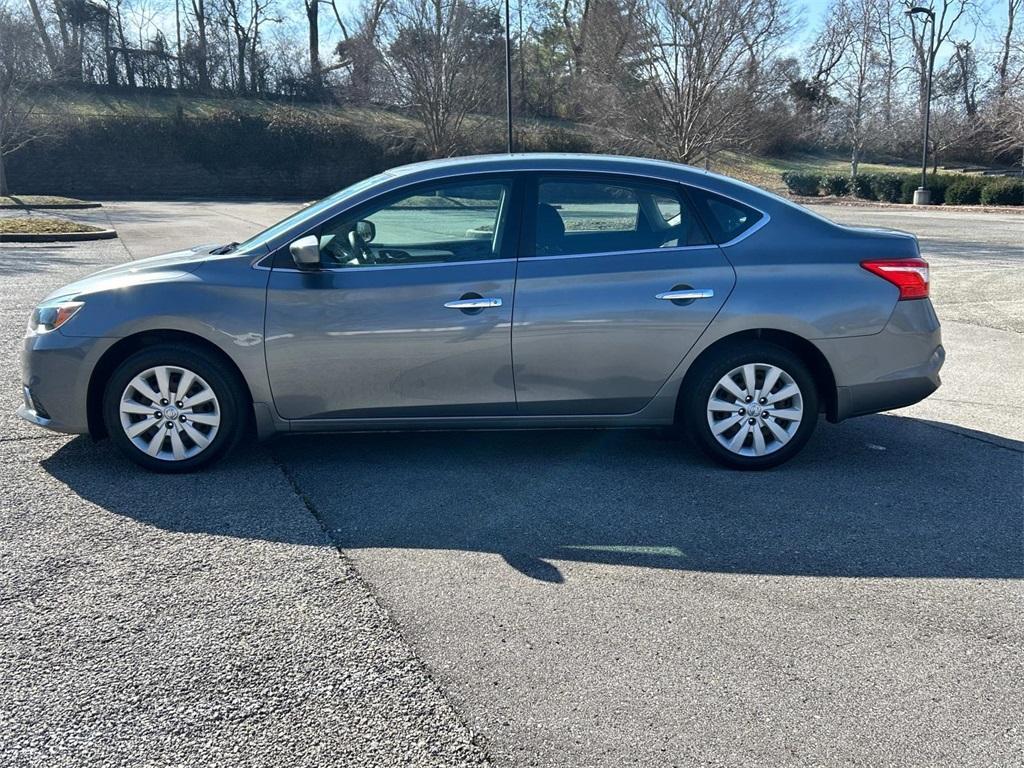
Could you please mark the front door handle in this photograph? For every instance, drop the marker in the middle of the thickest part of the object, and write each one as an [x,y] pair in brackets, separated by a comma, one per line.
[482,302]
[686,294]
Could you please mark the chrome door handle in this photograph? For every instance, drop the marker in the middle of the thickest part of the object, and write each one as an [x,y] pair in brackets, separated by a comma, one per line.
[481,303]
[688,294]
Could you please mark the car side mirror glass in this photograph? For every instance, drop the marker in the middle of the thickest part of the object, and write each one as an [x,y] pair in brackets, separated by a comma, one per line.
[306,252]
[366,231]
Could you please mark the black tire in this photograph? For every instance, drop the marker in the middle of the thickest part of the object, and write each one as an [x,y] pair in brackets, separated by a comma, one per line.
[703,382]
[229,392]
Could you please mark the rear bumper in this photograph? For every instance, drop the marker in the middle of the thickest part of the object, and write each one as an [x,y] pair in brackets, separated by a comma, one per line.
[894,368]
[873,397]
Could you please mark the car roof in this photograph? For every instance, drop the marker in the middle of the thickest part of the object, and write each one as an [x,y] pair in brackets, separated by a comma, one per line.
[569,162]
[527,161]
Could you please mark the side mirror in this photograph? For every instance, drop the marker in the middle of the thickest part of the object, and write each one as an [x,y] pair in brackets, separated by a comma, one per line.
[366,231]
[306,252]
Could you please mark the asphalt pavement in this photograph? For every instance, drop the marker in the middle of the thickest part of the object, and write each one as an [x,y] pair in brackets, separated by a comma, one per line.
[205,620]
[539,598]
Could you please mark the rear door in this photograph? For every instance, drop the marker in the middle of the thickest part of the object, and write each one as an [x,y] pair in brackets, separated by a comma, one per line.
[616,281]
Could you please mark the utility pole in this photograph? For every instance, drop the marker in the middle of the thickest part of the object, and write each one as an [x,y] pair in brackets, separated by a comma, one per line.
[508,73]
[923,195]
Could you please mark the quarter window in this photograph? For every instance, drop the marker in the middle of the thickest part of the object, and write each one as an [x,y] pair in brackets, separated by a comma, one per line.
[726,218]
[575,216]
[445,223]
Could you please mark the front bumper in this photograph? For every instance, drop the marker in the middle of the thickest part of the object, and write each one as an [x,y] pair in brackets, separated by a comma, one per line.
[33,414]
[55,380]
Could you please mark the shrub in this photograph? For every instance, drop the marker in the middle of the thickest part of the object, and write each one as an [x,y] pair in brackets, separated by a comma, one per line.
[966,190]
[887,187]
[1003,192]
[837,184]
[861,186]
[801,183]
[936,183]
[910,183]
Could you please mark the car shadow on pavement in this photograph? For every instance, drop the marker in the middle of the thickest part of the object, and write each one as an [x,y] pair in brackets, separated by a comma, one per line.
[882,496]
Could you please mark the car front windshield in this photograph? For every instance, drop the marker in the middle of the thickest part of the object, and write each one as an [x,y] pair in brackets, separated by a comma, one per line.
[267,236]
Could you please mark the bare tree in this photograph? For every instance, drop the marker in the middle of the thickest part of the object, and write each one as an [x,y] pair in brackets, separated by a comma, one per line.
[245,18]
[360,50]
[948,18]
[1003,73]
[708,69]
[859,22]
[1004,114]
[435,59]
[44,36]
[202,22]
[313,23]
[21,69]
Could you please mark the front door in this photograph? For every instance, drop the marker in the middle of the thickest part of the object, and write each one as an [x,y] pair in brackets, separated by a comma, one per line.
[408,314]
[619,281]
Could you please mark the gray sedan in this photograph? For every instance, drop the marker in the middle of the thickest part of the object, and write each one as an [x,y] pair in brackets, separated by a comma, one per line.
[505,291]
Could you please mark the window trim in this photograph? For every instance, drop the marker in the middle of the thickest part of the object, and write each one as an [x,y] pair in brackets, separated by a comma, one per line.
[509,246]
[527,237]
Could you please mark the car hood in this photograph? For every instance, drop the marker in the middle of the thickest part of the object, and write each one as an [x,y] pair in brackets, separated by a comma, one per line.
[169,266]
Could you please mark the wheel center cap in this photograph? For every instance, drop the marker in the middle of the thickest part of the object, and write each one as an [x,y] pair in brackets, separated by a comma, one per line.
[170,413]
[754,409]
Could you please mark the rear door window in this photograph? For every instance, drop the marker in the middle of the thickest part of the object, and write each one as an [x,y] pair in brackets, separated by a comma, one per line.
[576,215]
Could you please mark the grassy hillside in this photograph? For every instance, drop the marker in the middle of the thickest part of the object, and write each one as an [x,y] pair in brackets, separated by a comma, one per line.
[767,172]
[171,145]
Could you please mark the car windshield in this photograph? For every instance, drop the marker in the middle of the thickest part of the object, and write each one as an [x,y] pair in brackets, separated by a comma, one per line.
[264,238]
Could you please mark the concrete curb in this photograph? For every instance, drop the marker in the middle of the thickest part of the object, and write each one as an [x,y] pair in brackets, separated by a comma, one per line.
[53,207]
[56,237]
[845,202]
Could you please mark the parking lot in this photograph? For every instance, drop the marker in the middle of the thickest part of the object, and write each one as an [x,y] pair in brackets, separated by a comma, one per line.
[531,598]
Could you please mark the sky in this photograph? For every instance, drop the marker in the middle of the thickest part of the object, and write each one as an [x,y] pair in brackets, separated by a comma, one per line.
[993,19]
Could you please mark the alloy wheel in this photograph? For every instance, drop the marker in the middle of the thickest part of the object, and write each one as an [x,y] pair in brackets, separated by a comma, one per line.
[755,409]
[170,413]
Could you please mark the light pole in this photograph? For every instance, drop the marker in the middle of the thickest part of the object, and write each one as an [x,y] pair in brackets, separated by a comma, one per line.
[923,195]
[508,73]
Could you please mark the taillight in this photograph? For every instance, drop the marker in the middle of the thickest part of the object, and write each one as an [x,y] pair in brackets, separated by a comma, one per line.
[909,275]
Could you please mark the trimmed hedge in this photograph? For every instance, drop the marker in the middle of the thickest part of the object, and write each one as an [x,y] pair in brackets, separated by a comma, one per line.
[946,188]
[965,191]
[802,183]
[887,187]
[837,184]
[1003,192]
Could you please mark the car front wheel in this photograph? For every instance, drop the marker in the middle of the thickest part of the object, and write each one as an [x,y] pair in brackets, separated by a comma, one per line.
[173,408]
[751,406]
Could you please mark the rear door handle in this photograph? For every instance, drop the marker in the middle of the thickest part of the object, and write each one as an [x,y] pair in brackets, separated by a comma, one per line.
[481,303]
[686,294]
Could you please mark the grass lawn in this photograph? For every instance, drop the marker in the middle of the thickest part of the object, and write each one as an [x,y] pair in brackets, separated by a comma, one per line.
[40,225]
[766,172]
[40,201]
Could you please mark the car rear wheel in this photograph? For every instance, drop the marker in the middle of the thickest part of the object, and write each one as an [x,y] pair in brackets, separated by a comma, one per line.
[751,406]
[173,408]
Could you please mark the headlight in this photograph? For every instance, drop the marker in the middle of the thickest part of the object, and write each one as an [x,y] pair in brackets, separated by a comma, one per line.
[51,316]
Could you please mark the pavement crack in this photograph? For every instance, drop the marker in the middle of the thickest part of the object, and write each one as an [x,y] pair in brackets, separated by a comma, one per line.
[476,737]
[309,504]
[23,438]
